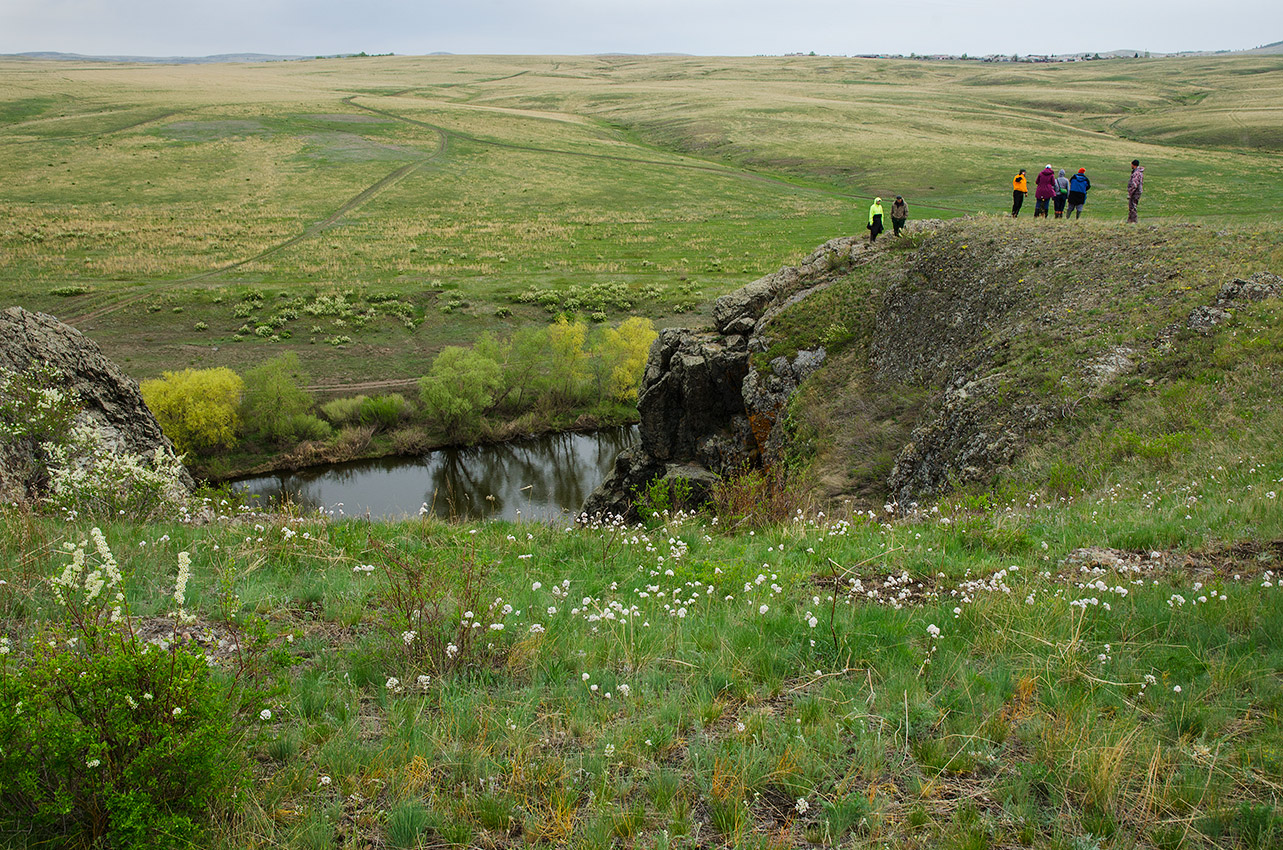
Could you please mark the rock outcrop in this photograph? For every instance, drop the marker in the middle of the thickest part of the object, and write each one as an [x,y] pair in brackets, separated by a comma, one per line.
[704,409]
[109,398]
[1258,287]
[957,320]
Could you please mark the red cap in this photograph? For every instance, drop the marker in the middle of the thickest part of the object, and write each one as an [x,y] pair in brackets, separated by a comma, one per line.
[1082,171]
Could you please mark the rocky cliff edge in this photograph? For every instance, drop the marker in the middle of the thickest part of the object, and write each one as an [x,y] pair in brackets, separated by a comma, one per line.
[110,400]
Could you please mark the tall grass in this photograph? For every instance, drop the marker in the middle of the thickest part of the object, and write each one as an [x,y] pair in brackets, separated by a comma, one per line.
[826,679]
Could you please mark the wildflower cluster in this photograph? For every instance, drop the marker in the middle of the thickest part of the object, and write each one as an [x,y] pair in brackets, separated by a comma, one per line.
[89,586]
[35,406]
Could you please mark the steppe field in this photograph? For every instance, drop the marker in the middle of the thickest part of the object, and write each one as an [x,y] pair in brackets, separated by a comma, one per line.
[1081,651]
[144,203]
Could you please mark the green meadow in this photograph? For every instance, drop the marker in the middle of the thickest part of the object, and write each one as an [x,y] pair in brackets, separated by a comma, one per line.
[964,677]
[142,203]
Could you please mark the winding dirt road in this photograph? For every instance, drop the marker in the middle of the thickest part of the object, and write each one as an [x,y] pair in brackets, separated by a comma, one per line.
[355,202]
[444,137]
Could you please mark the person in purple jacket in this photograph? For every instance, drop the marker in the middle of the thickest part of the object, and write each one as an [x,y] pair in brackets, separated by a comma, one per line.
[1045,191]
[1134,185]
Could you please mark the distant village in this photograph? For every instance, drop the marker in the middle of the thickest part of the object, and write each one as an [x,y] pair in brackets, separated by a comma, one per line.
[995,57]
[1032,57]
[1274,48]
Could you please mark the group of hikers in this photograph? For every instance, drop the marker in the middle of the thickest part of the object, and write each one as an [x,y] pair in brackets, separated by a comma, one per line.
[899,215]
[1069,193]
[1051,190]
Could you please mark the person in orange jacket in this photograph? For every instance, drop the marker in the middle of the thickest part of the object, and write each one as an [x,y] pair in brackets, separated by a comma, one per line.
[1019,188]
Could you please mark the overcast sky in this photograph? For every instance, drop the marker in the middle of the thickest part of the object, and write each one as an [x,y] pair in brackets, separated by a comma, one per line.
[703,27]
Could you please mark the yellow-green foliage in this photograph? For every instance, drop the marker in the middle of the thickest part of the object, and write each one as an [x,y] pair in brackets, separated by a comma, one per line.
[196,408]
[625,348]
[566,342]
[343,411]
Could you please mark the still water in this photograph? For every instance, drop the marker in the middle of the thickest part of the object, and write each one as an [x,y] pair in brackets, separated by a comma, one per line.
[541,478]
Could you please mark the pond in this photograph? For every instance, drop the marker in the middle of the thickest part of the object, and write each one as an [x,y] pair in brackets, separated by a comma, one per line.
[541,478]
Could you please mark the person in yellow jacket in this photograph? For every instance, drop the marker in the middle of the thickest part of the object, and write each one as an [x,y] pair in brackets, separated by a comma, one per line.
[875,219]
[1019,188]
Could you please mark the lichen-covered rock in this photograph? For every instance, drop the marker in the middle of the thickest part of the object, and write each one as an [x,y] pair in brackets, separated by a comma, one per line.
[1119,360]
[766,395]
[738,312]
[691,389]
[1204,319]
[110,400]
[1258,287]
[704,411]
[972,434]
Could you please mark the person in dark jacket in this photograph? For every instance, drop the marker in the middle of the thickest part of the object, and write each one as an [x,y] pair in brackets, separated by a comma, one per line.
[875,219]
[1045,191]
[899,214]
[1062,193]
[1078,186]
[1019,188]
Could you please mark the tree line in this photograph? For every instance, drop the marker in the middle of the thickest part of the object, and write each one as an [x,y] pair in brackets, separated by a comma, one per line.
[539,372]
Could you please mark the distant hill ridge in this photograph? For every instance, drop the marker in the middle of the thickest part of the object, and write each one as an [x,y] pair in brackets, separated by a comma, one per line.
[1274,48]
[167,60]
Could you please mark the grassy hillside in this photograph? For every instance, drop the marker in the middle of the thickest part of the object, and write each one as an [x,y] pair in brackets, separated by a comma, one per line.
[143,201]
[842,679]
[1032,319]
[1085,655]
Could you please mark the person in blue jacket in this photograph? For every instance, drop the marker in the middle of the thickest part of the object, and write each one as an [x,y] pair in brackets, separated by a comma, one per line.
[1078,186]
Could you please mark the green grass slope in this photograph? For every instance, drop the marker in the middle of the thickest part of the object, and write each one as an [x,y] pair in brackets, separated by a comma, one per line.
[1081,650]
[1070,335]
[845,679]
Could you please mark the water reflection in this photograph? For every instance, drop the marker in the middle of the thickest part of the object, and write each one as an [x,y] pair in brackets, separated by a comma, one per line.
[540,478]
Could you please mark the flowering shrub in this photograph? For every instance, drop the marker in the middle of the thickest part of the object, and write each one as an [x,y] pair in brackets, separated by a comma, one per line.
[89,479]
[70,466]
[34,412]
[106,740]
